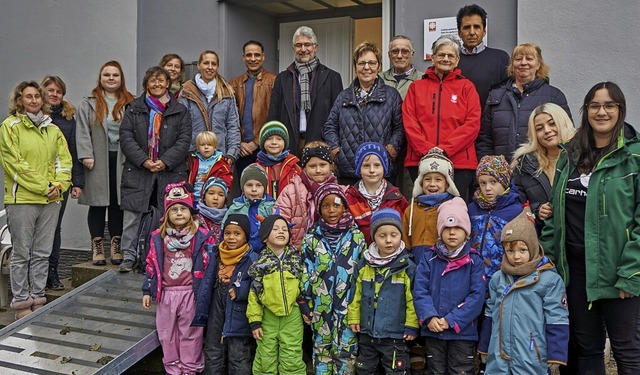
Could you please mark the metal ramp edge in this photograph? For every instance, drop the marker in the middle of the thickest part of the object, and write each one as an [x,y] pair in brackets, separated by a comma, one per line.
[101,320]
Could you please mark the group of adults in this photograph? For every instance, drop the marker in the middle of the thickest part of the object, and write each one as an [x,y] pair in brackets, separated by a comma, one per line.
[119,152]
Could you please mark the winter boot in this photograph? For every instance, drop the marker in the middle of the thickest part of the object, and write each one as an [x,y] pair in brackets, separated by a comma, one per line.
[116,252]
[53,281]
[22,308]
[98,251]
[38,302]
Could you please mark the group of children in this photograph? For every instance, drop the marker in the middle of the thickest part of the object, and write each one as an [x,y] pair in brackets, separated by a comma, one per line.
[366,270]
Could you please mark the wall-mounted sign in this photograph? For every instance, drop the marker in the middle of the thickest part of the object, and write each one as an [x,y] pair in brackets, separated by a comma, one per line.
[436,27]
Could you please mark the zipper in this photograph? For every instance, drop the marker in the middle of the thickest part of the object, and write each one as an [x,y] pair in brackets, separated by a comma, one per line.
[438,117]
[534,346]
[284,294]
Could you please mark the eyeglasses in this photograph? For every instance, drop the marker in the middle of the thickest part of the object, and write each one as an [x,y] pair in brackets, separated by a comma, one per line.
[372,64]
[305,45]
[396,51]
[442,56]
[609,107]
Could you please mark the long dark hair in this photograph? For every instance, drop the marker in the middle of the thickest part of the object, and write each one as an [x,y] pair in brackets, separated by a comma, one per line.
[584,139]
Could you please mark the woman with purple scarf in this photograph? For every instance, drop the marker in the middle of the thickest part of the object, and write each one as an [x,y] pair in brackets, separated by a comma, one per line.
[154,137]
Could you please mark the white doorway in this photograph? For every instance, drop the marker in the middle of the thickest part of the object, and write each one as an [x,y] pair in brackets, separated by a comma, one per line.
[335,44]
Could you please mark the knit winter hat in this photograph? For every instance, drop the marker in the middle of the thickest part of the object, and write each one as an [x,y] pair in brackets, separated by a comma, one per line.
[497,167]
[267,225]
[523,228]
[214,181]
[372,148]
[253,172]
[178,194]
[385,216]
[326,189]
[453,213]
[321,152]
[274,128]
[435,161]
[240,220]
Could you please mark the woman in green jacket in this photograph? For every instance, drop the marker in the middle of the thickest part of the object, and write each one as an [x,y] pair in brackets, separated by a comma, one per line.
[594,234]
[37,171]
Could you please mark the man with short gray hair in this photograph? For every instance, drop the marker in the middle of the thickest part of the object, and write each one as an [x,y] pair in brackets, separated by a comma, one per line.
[402,72]
[303,94]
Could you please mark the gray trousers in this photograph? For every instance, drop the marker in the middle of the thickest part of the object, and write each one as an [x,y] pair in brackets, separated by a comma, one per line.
[32,228]
[129,241]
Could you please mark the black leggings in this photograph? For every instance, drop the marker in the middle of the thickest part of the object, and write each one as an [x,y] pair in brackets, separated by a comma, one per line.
[96,214]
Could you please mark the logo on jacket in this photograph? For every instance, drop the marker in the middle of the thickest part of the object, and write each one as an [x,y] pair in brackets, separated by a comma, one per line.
[454,98]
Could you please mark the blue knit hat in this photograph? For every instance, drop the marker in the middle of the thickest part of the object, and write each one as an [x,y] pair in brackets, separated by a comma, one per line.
[372,148]
[385,216]
[214,181]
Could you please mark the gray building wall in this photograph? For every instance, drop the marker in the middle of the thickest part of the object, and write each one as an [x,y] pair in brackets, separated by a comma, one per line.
[586,42]
[72,39]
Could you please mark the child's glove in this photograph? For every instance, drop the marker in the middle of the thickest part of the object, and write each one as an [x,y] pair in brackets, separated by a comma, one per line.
[483,358]
[554,367]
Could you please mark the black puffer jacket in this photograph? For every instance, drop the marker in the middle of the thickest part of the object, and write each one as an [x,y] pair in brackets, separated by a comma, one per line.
[532,186]
[506,115]
[175,138]
[350,124]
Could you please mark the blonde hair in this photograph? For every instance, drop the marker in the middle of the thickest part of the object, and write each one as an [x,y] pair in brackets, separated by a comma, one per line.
[529,49]
[15,100]
[566,131]
[208,138]
[222,86]
[166,223]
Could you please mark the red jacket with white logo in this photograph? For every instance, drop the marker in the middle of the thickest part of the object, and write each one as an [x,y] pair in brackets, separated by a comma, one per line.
[444,113]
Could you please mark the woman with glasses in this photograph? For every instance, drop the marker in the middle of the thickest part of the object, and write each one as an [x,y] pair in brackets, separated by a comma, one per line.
[443,110]
[534,163]
[366,111]
[506,113]
[593,236]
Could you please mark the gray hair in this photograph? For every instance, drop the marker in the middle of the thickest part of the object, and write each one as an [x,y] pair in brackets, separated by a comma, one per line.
[304,31]
[401,37]
[446,40]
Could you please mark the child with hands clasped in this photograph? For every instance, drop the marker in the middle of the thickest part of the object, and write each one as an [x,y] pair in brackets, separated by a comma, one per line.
[229,345]
[211,207]
[449,292]
[207,162]
[176,263]
[382,310]
[331,250]
[433,186]
[275,158]
[274,311]
[526,325]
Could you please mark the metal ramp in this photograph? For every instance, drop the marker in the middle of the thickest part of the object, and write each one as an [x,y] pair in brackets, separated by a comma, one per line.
[98,328]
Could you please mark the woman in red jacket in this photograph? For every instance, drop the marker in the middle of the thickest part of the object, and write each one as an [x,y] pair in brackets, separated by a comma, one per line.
[443,110]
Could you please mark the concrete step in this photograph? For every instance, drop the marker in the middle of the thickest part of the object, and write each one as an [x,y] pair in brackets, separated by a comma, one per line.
[83,272]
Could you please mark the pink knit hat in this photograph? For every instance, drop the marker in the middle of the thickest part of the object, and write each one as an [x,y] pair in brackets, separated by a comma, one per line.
[453,213]
[178,194]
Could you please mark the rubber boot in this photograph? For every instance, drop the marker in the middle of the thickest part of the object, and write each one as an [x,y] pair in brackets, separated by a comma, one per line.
[38,302]
[22,308]
[97,247]
[116,252]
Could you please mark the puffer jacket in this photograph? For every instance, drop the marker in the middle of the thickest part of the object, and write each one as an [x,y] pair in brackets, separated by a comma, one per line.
[289,168]
[382,303]
[235,314]
[453,289]
[611,229]
[526,320]
[505,117]
[361,211]
[532,186]
[152,283]
[486,227]
[220,116]
[443,113]
[33,159]
[175,134]
[62,117]
[275,284]
[350,124]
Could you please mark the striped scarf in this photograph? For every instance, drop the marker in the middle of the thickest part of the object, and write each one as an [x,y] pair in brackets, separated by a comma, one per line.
[305,69]
[156,110]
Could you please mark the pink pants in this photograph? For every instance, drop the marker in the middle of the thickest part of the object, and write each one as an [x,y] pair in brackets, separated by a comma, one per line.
[181,343]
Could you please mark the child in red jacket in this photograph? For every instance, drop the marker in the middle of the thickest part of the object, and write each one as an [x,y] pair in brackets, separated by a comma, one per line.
[207,162]
[275,158]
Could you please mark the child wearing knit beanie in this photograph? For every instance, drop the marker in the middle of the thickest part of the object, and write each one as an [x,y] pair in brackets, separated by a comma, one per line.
[528,296]
[254,202]
[274,157]
[207,162]
[493,205]
[211,207]
[385,274]
[372,192]
[449,292]
[229,343]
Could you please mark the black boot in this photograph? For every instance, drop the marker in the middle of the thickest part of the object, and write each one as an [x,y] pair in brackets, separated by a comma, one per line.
[53,282]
